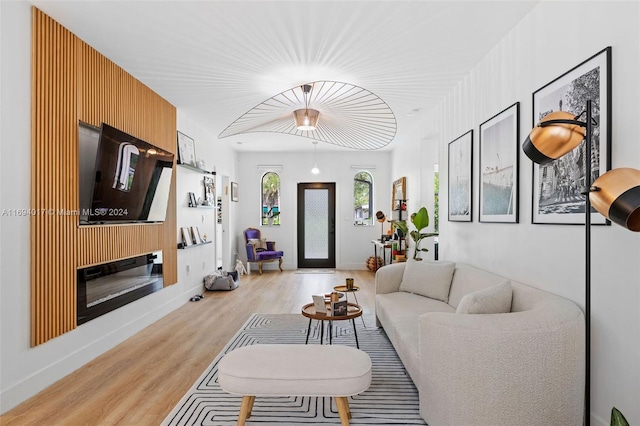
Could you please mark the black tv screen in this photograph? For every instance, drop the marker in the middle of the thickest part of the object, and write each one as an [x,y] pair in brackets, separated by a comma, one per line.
[132,179]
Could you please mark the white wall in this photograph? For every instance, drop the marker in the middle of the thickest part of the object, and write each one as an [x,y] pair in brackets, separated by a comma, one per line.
[196,262]
[551,40]
[24,371]
[353,243]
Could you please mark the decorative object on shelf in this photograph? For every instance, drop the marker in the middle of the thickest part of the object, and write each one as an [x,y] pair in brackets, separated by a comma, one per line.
[499,189]
[195,234]
[186,150]
[201,164]
[209,190]
[352,117]
[460,178]
[399,192]
[192,200]
[614,194]
[186,237]
[315,170]
[380,217]
[234,191]
[556,183]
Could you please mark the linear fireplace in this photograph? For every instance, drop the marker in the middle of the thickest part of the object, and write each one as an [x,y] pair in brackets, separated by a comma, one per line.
[103,288]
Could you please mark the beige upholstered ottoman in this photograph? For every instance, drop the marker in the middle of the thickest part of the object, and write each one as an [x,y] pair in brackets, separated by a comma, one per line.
[295,370]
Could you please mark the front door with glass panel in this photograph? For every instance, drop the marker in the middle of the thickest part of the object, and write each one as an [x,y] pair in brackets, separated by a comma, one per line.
[316,225]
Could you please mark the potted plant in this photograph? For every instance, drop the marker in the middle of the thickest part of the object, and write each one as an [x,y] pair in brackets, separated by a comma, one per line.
[420,221]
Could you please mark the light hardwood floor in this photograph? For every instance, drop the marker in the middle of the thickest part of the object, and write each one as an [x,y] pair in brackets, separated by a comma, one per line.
[139,381]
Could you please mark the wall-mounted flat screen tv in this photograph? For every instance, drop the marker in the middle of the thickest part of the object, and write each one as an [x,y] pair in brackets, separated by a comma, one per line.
[132,179]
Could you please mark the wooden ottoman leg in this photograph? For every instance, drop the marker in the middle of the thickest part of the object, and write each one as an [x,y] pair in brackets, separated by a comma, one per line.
[260,267]
[280,264]
[245,409]
[343,409]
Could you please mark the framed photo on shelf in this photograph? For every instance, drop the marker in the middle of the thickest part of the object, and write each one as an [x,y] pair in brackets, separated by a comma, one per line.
[460,165]
[234,191]
[186,237]
[499,142]
[192,200]
[399,192]
[195,233]
[557,185]
[186,150]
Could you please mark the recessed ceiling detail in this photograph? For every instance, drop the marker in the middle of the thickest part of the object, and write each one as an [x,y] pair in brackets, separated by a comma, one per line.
[349,116]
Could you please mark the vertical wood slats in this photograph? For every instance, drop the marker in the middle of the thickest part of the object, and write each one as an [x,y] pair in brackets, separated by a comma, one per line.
[72,82]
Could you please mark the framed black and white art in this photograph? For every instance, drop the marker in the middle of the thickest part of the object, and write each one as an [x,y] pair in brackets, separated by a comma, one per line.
[557,185]
[186,150]
[499,143]
[460,166]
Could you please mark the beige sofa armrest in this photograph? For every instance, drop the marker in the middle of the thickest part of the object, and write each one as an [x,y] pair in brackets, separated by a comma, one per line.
[389,277]
[505,369]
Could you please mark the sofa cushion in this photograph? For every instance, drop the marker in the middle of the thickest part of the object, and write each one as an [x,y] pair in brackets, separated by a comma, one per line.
[491,300]
[399,314]
[468,279]
[428,278]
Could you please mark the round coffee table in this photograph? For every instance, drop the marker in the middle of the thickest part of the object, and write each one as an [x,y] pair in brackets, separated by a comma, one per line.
[353,311]
[346,291]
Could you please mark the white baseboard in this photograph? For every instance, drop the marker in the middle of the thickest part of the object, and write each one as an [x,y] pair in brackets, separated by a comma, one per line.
[45,377]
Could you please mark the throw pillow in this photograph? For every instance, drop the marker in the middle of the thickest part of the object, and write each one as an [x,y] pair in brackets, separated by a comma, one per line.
[491,300]
[259,243]
[431,279]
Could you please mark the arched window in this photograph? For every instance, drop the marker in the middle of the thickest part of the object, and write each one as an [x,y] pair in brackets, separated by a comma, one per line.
[363,198]
[271,199]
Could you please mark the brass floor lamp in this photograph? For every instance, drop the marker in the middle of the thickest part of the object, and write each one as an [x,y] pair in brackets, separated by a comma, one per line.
[615,194]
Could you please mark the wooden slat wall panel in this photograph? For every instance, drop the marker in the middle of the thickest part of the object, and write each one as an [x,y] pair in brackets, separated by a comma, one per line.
[72,82]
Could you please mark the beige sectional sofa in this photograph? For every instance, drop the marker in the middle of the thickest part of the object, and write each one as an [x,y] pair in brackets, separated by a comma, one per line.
[522,367]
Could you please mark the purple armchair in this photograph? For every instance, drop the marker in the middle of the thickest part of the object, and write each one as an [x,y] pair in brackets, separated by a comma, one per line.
[259,250]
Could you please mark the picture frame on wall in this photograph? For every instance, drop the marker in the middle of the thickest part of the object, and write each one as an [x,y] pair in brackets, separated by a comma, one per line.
[557,185]
[186,150]
[499,144]
[209,190]
[399,192]
[460,166]
[234,191]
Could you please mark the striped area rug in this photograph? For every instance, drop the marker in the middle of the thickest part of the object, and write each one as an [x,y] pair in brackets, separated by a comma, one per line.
[392,398]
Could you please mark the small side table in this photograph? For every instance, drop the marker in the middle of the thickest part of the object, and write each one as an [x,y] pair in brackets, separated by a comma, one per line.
[353,311]
[343,289]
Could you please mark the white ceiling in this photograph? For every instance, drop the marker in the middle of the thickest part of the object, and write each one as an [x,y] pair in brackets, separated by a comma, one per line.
[215,60]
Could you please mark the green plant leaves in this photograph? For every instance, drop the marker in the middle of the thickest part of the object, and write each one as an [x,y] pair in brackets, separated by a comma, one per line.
[617,419]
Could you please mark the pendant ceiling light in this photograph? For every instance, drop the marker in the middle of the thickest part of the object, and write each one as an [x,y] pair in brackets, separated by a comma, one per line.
[306,119]
[352,117]
[315,169]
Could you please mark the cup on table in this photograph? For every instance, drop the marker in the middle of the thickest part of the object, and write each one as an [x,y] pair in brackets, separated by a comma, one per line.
[349,283]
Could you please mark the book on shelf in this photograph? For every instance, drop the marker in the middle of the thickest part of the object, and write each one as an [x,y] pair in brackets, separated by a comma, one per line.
[339,308]
[318,304]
